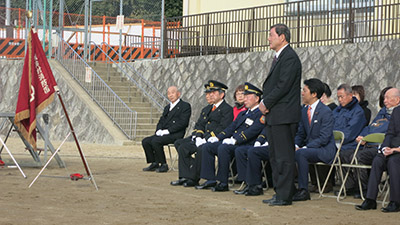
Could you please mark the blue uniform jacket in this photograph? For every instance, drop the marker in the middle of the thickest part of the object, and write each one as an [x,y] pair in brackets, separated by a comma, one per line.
[379,124]
[349,119]
[262,137]
[245,128]
[319,134]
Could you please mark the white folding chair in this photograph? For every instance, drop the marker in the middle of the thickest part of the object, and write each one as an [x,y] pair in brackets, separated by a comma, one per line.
[371,138]
[339,138]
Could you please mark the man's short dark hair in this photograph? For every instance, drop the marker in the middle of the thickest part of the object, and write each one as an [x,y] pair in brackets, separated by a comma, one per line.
[346,88]
[282,29]
[327,91]
[315,86]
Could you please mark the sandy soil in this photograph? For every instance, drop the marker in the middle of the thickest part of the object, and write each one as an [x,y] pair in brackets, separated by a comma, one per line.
[127,195]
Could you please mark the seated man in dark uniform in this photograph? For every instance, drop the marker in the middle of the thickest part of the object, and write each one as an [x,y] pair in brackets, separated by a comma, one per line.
[211,121]
[242,131]
[388,159]
[248,163]
[171,126]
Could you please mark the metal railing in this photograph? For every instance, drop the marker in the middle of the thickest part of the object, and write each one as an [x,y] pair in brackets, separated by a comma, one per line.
[148,42]
[123,116]
[312,23]
[156,98]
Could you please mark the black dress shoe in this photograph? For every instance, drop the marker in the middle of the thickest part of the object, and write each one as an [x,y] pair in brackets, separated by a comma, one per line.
[367,205]
[220,187]
[392,207]
[277,202]
[190,183]
[243,191]
[162,169]
[301,195]
[206,185]
[178,182]
[267,201]
[255,190]
[153,166]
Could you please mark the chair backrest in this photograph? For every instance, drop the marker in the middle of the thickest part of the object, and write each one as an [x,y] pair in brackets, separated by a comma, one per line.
[374,138]
[339,138]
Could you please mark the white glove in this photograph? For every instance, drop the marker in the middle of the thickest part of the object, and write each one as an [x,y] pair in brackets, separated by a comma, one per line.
[164,132]
[229,141]
[265,144]
[257,144]
[159,133]
[200,141]
[193,137]
[212,139]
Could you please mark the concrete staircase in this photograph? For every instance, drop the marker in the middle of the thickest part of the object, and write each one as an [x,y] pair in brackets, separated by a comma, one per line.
[148,115]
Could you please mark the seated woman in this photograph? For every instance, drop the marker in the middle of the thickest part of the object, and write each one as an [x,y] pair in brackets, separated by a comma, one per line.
[239,101]
[359,93]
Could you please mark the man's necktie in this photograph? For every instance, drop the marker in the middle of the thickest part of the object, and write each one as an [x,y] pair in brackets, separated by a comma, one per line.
[213,108]
[274,61]
[309,114]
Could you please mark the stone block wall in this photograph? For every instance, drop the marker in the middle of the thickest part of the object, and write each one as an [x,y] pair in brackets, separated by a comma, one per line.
[86,126]
[374,65]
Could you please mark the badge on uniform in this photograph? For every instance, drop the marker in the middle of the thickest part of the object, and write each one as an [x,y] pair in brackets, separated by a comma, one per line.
[249,121]
[262,119]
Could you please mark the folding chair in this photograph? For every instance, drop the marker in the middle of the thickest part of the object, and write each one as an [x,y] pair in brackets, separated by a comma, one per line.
[371,138]
[339,138]
[173,160]
[233,176]
[385,190]
[263,165]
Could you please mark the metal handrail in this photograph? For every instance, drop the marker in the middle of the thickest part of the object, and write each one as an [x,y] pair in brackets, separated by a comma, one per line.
[156,97]
[312,23]
[122,115]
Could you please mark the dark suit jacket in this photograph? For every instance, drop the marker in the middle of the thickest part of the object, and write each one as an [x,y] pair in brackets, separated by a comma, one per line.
[198,129]
[282,89]
[176,120]
[319,134]
[211,123]
[245,128]
[392,137]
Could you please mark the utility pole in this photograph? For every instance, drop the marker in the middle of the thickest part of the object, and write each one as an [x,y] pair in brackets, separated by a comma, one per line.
[162,29]
[85,46]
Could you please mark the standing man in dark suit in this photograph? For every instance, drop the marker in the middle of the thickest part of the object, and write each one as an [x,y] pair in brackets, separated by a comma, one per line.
[213,119]
[171,126]
[314,139]
[388,159]
[281,106]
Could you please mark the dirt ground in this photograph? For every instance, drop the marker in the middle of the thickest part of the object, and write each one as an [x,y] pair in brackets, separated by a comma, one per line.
[127,195]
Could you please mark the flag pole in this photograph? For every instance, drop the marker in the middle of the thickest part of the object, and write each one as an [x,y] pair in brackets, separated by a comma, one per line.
[89,173]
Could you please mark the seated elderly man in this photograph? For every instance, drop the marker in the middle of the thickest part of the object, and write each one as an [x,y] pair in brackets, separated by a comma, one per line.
[349,117]
[314,139]
[370,150]
[248,163]
[171,126]
[388,159]
[242,131]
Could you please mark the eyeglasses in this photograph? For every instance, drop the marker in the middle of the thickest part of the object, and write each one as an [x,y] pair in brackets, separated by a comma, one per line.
[239,93]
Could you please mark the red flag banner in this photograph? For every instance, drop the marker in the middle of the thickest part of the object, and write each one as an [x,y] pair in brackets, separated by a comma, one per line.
[36,90]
